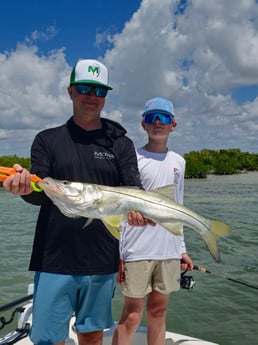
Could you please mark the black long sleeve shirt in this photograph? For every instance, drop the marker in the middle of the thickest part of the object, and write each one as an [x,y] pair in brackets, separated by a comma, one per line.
[104,156]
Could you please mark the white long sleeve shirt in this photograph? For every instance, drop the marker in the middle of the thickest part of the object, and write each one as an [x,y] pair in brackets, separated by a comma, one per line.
[155,243]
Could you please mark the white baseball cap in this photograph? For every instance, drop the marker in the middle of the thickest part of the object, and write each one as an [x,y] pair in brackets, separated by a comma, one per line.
[90,72]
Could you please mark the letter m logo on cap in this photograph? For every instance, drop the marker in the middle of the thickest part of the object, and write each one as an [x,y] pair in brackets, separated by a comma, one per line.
[93,69]
[88,72]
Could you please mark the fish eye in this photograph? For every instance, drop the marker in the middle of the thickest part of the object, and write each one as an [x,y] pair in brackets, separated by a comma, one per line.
[73,189]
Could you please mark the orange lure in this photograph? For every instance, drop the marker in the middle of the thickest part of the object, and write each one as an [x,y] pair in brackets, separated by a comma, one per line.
[6,172]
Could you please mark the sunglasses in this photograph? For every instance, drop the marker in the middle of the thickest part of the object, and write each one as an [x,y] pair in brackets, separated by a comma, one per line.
[165,119]
[85,89]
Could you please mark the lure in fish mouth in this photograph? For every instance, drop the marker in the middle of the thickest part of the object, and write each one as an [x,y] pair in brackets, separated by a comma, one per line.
[112,204]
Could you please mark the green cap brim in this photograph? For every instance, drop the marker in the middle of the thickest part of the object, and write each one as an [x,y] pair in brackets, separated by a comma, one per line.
[91,82]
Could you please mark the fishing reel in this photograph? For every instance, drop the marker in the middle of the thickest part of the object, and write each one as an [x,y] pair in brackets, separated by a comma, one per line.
[187,282]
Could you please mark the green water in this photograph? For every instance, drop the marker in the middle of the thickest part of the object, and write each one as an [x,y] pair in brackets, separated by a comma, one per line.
[217,309]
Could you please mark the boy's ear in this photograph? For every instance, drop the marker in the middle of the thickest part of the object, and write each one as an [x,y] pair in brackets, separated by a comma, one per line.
[174,124]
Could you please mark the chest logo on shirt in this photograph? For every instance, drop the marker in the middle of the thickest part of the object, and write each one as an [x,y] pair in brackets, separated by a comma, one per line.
[103,155]
[176,175]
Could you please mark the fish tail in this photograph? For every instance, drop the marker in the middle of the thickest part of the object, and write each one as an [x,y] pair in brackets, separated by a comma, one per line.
[217,229]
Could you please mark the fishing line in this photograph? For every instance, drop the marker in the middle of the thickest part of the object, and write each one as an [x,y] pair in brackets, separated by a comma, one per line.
[204,270]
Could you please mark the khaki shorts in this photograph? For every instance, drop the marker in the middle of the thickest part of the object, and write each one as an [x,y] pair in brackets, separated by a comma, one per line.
[141,277]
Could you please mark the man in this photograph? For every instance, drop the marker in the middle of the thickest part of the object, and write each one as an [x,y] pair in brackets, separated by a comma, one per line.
[151,256]
[76,265]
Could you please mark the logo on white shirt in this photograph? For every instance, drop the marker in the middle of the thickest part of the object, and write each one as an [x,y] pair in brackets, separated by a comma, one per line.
[176,175]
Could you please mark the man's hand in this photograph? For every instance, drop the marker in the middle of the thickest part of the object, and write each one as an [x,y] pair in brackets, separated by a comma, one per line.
[135,218]
[19,183]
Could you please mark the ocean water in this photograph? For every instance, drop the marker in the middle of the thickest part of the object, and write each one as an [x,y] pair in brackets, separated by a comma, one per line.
[217,309]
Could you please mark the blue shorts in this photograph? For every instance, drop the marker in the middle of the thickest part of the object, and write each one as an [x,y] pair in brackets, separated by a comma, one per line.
[57,297]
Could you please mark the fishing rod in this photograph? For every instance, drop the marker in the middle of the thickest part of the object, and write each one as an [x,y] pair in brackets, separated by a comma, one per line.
[16,302]
[204,270]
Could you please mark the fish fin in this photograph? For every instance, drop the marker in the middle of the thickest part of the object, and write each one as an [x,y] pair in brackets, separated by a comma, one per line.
[175,228]
[167,191]
[114,230]
[113,223]
[113,220]
[217,229]
[89,220]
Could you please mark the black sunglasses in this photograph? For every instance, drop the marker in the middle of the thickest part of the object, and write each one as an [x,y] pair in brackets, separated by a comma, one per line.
[85,89]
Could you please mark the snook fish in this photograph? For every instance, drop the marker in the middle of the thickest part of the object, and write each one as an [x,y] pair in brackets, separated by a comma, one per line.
[112,204]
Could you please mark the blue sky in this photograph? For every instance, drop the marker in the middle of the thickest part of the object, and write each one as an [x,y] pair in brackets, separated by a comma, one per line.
[75,23]
[201,55]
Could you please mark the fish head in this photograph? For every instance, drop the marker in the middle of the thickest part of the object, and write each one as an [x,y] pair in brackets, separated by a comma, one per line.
[72,198]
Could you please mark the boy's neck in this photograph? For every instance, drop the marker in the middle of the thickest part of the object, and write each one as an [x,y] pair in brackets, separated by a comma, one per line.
[155,147]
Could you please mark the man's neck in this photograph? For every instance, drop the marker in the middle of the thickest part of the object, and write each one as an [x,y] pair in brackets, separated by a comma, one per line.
[88,123]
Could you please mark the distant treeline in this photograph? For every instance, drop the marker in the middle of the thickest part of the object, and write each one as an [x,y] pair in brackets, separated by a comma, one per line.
[199,164]
[9,161]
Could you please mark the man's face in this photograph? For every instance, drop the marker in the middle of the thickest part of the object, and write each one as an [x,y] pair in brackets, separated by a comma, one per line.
[86,104]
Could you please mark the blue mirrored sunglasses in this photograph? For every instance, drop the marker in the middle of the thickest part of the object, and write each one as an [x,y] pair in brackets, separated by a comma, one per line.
[85,89]
[165,119]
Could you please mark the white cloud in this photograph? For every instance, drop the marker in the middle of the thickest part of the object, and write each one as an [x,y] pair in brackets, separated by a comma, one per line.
[32,95]
[27,77]
[195,58]
[41,35]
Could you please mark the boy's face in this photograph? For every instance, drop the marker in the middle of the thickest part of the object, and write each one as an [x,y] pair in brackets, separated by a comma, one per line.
[158,129]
